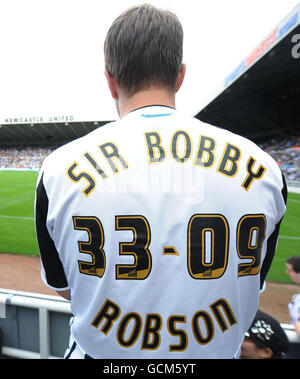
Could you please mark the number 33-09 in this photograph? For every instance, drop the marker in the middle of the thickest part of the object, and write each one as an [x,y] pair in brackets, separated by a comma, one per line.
[207,245]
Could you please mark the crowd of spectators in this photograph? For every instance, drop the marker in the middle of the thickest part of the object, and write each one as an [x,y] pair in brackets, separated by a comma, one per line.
[23,157]
[285,150]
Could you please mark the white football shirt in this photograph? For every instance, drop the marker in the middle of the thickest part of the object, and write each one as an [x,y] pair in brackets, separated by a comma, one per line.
[163,228]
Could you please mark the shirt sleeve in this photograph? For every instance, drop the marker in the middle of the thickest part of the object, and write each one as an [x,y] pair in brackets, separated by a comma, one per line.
[52,271]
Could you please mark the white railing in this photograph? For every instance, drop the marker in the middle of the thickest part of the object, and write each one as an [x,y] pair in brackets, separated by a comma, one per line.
[293,184]
[44,304]
[293,187]
[291,333]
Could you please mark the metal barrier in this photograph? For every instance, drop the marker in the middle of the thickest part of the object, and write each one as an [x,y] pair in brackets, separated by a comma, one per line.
[36,326]
[294,340]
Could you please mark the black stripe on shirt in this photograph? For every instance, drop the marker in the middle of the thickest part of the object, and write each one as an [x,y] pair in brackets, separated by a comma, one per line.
[272,241]
[53,267]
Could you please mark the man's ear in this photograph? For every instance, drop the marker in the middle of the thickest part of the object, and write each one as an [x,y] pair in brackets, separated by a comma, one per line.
[180,77]
[112,85]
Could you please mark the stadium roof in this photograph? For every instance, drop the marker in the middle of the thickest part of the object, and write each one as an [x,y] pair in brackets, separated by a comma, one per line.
[261,97]
[46,133]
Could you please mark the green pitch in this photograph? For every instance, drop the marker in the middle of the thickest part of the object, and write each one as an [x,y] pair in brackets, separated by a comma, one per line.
[289,240]
[17,232]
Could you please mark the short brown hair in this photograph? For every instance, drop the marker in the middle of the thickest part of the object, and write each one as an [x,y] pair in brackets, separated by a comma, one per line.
[144,46]
[295,262]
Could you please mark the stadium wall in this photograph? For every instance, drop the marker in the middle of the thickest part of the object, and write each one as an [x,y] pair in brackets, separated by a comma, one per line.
[34,326]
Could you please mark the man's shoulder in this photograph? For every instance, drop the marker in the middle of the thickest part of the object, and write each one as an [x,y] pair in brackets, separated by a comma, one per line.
[247,148]
[229,136]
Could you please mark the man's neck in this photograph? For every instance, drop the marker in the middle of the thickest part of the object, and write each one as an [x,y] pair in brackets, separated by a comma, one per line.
[151,96]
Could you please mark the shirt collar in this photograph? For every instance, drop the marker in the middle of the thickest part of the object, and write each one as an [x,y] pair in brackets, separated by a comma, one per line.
[151,111]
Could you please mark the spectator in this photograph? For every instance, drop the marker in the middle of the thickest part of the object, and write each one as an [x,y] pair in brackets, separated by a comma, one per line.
[265,339]
[293,270]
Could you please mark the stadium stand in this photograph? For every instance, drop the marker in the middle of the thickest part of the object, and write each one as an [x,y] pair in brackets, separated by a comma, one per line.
[29,157]
[286,152]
